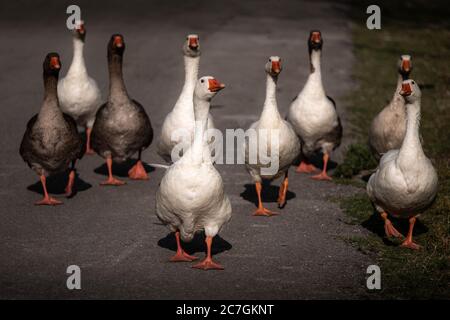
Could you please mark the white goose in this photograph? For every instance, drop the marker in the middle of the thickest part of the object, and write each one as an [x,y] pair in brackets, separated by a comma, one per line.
[191,195]
[178,126]
[388,128]
[78,94]
[405,183]
[313,114]
[288,142]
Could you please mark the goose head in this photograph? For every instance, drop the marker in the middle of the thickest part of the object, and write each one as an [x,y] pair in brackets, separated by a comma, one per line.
[273,66]
[405,65]
[52,64]
[315,40]
[191,46]
[207,87]
[79,32]
[116,45]
[410,91]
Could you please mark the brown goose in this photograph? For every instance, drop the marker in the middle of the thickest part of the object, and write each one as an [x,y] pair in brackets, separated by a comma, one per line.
[51,141]
[121,126]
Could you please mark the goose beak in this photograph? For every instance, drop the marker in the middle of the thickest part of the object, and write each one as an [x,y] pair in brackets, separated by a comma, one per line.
[315,37]
[193,43]
[80,29]
[54,63]
[118,42]
[406,65]
[214,85]
[406,90]
[276,67]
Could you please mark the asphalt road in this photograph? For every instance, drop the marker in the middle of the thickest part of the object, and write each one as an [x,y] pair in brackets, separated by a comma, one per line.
[113,233]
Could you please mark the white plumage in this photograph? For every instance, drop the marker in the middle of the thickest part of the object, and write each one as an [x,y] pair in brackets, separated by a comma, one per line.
[191,195]
[405,183]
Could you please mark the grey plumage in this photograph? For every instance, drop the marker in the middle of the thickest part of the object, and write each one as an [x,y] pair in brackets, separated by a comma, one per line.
[122,127]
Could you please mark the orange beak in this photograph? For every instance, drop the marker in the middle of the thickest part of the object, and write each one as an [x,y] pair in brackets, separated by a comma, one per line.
[81,29]
[406,89]
[406,65]
[214,85]
[118,41]
[316,37]
[276,66]
[193,43]
[54,63]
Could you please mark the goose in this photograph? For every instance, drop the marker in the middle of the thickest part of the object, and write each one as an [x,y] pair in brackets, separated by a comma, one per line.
[78,94]
[181,118]
[313,114]
[51,141]
[388,128]
[271,122]
[405,183]
[121,127]
[191,195]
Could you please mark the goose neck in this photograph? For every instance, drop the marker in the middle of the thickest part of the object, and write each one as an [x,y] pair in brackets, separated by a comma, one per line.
[411,149]
[77,66]
[270,110]
[201,110]
[50,108]
[315,63]
[397,97]
[117,89]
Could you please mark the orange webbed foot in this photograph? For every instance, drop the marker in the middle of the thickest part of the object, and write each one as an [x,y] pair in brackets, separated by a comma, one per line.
[411,245]
[264,212]
[137,172]
[305,168]
[182,257]
[112,182]
[48,201]
[208,264]
[322,176]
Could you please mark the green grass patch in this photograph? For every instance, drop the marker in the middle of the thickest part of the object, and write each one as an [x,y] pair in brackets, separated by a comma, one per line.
[421,29]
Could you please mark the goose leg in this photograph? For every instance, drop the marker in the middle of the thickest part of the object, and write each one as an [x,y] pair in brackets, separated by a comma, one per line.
[409,243]
[47,200]
[137,172]
[305,167]
[111,181]
[323,175]
[389,228]
[261,211]
[208,263]
[89,150]
[283,191]
[71,181]
[181,255]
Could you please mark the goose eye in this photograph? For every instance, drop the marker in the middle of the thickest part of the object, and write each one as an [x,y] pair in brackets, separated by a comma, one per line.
[202,81]
[270,60]
[413,82]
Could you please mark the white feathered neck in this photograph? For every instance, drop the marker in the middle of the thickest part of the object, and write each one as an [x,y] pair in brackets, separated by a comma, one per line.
[411,150]
[77,67]
[191,66]
[199,151]
[314,85]
[270,114]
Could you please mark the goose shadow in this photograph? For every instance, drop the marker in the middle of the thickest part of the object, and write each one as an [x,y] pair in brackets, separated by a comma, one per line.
[121,169]
[269,193]
[57,183]
[196,245]
[375,224]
